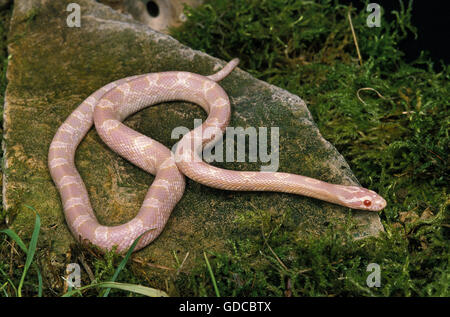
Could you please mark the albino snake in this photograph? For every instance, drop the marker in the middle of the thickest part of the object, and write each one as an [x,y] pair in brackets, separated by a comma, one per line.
[111,104]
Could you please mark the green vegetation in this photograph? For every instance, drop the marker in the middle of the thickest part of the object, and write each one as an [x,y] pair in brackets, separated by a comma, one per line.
[9,289]
[388,118]
[29,251]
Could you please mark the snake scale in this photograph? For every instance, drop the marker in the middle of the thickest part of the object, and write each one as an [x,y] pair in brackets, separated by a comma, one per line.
[111,104]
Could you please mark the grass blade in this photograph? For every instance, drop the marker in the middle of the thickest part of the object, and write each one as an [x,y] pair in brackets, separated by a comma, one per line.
[216,289]
[24,248]
[15,238]
[3,289]
[123,262]
[30,253]
[34,264]
[39,280]
[8,280]
[138,289]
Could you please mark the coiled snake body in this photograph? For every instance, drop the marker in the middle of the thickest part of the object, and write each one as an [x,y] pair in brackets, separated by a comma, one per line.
[111,104]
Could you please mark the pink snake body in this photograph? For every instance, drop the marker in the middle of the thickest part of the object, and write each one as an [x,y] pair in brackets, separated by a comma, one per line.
[111,104]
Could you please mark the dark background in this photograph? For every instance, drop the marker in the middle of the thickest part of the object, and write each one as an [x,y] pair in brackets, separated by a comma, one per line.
[431,19]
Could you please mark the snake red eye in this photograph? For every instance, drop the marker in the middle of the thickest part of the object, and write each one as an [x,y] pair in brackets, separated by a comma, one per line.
[367,203]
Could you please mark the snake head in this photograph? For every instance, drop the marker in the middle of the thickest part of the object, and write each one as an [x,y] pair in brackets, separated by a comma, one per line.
[361,198]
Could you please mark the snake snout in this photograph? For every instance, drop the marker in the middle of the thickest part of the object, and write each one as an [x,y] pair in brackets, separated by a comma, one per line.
[379,203]
[362,199]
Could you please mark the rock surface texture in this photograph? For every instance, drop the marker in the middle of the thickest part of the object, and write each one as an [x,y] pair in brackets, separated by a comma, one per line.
[53,68]
[157,14]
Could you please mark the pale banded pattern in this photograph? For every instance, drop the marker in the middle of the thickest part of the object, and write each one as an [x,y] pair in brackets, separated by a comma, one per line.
[153,214]
[111,104]
[58,162]
[73,201]
[59,145]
